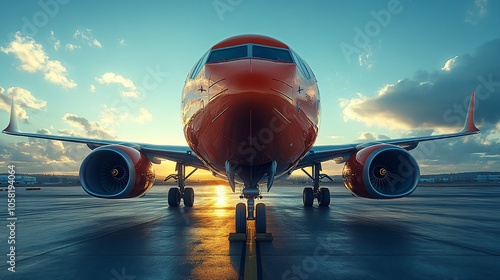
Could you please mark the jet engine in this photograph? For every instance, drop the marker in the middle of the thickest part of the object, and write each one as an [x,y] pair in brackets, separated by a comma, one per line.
[116,171]
[381,171]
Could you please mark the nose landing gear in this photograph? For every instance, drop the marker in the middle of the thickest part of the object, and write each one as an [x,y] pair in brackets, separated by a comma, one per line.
[251,213]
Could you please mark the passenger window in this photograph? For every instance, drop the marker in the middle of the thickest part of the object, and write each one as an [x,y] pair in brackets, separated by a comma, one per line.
[275,54]
[228,54]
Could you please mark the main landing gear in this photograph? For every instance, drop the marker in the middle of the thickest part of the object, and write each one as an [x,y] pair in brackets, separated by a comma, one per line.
[175,194]
[321,194]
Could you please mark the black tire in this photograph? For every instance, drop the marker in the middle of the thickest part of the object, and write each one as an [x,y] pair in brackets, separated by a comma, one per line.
[174,197]
[324,197]
[241,218]
[260,218]
[308,197]
[188,197]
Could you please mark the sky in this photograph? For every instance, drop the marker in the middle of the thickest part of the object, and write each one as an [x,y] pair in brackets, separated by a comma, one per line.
[116,70]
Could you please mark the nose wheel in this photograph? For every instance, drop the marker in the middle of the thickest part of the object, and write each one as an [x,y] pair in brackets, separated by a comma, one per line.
[241,218]
[249,213]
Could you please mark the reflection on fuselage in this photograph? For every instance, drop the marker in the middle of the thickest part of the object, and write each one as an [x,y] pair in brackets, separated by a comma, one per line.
[239,89]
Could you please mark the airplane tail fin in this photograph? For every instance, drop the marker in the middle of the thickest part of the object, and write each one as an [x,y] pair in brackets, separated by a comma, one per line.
[469,125]
[12,127]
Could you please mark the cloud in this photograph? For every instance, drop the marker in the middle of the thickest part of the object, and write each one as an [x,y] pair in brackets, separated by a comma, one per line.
[23,99]
[129,89]
[449,64]
[144,116]
[112,116]
[33,59]
[86,128]
[371,136]
[476,14]
[366,58]
[87,36]
[92,88]
[473,153]
[43,156]
[71,47]
[122,42]
[56,42]
[435,100]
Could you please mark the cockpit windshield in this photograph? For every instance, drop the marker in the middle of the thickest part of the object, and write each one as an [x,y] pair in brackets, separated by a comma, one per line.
[250,51]
[228,54]
[281,55]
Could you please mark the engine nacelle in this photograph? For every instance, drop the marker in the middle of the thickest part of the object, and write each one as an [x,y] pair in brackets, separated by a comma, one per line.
[116,171]
[381,171]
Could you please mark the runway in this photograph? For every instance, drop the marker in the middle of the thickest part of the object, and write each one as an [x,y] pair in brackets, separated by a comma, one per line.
[436,233]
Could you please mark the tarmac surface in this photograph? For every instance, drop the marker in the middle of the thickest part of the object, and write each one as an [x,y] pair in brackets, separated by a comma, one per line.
[435,233]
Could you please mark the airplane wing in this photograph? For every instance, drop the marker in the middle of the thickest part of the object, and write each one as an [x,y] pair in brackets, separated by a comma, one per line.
[340,153]
[155,153]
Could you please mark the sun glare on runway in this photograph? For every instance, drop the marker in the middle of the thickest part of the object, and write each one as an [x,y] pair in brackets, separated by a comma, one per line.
[220,203]
[220,198]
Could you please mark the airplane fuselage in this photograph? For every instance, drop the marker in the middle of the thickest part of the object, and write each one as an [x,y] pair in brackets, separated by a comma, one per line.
[250,100]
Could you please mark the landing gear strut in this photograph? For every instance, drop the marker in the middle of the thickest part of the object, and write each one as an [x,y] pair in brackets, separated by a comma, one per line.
[251,191]
[175,194]
[321,194]
[255,213]
[241,210]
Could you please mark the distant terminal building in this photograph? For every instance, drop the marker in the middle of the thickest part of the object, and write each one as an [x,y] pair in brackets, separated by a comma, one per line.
[20,180]
[488,178]
[427,180]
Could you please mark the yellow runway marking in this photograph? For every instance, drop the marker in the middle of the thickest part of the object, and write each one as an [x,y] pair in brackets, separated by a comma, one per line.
[251,253]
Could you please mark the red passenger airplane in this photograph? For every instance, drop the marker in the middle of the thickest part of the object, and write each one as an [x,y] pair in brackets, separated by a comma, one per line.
[250,108]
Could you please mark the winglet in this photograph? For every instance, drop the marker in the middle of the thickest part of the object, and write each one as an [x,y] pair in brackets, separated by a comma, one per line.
[469,125]
[12,127]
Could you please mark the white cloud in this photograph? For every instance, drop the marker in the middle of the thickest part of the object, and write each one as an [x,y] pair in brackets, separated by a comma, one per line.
[371,136]
[33,59]
[365,58]
[122,42]
[144,116]
[86,128]
[56,42]
[23,99]
[39,155]
[476,14]
[71,47]
[111,116]
[87,36]
[129,89]
[92,88]
[449,64]
[96,43]
[439,102]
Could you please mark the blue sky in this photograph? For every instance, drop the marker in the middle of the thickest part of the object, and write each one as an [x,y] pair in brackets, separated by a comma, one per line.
[116,69]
